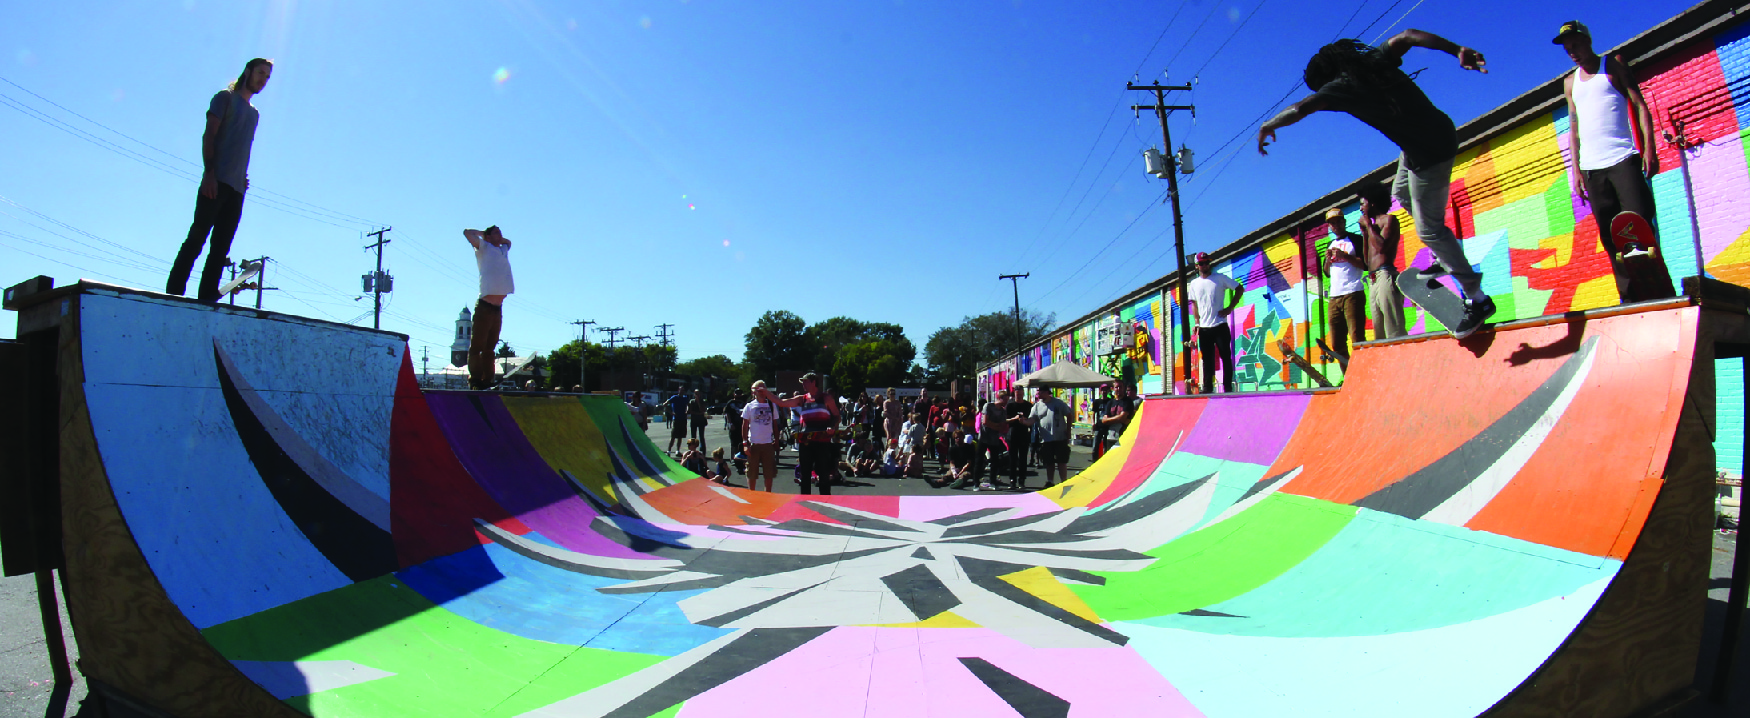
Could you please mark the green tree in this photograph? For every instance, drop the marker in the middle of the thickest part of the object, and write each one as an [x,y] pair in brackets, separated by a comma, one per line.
[731,373]
[778,342]
[956,352]
[504,350]
[875,363]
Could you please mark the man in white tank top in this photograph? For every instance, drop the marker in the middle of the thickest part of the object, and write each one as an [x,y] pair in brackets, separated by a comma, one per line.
[1604,165]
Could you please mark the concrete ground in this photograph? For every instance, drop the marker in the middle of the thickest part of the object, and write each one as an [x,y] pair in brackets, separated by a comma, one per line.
[27,688]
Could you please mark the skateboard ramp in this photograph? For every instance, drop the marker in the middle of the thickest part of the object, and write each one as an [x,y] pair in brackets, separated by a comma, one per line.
[266,516]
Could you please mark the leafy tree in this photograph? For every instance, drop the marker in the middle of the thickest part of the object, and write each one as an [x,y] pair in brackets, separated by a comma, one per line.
[880,362]
[956,352]
[778,342]
[504,350]
[732,373]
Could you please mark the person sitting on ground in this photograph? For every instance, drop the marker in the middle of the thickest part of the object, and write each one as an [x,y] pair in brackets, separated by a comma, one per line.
[721,472]
[890,464]
[961,459]
[693,460]
[913,463]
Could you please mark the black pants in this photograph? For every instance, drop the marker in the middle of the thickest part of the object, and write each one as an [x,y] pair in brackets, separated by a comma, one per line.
[1612,190]
[1214,343]
[218,216]
[1018,444]
[698,423]
[990,457]
[815,462]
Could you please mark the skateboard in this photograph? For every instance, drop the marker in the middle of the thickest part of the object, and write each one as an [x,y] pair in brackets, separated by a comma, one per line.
[1425,289]
[1296,359]
[250,269]
[1637,248]
[1342,361]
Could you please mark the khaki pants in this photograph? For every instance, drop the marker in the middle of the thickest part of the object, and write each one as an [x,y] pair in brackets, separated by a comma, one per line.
[1348,321]
[1387,304]
[762,458]
[488,318]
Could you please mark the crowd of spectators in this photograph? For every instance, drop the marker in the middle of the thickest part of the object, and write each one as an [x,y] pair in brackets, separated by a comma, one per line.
[953,442]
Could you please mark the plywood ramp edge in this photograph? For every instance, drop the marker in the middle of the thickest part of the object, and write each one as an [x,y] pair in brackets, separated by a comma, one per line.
[1637,649]
[131,637]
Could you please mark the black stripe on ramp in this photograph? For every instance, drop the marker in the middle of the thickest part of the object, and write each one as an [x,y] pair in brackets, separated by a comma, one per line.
[349,541]
[1416,495]
[1027,699]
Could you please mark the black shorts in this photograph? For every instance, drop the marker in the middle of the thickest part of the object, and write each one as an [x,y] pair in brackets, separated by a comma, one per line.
[678,428]
[1054,452]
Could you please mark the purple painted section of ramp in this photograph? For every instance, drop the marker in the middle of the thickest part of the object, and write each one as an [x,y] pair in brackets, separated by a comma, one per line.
[492,447]
[1252,430]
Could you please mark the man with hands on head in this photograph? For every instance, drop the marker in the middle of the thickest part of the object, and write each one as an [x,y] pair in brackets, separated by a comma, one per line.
[1352,77]
[492,255]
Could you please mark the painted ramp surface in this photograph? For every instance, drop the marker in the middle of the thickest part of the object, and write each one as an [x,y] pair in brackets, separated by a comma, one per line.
[1419,543]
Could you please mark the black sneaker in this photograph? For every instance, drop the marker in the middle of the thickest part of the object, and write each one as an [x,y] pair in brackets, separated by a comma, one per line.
[1475,315]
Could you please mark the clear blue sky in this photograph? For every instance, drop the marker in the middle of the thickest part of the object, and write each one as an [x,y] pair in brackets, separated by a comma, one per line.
[699,163]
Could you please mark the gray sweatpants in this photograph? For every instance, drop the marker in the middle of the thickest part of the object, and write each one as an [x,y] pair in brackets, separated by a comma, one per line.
[1425,193]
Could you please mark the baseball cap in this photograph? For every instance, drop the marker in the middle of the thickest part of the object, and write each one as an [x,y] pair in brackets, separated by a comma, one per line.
[1200,258]
[1334,214]
[1571,27]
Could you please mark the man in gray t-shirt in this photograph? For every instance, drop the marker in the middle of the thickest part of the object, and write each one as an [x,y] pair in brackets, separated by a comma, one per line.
[1052,418]
[225,148]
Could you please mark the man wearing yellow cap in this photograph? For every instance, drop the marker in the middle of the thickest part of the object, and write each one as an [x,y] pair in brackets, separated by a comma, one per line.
[1348,303]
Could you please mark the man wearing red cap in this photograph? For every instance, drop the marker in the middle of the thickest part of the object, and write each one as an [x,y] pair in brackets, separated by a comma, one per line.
[1604,166]
[1212,298]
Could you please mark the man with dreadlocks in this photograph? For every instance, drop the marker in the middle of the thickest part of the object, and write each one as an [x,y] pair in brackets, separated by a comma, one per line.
[1366,82]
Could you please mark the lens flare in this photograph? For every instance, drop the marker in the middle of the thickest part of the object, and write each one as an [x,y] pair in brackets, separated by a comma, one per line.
[501,76]
[725,244]
[691,207]
[644,22]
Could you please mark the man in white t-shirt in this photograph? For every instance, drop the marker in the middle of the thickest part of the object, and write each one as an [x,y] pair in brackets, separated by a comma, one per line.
[492,255]
[1212,298]
[1348,303]
[758,419]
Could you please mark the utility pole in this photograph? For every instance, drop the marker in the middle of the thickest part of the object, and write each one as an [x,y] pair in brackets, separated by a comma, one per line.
[663,333]
[638,360]
[1161,108]
[1015,281]
[582,351]
[613,336]
[425,365]
[378,282]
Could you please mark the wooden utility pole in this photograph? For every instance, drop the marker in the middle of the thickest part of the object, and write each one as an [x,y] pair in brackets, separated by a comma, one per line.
[1015,282]
[1161,108]
[377,279]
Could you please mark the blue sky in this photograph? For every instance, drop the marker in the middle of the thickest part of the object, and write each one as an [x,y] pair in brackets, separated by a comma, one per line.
[699,163]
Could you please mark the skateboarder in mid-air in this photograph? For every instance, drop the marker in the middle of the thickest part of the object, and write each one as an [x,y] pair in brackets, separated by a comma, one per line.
[1365,82]
[1605,167]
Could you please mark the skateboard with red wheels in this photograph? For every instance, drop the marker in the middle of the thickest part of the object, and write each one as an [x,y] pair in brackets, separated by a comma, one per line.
[1637,252]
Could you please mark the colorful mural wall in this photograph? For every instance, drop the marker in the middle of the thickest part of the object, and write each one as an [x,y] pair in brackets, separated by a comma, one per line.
[1534,241]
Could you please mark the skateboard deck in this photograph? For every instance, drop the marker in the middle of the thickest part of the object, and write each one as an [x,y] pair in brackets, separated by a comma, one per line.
[1425,289]
[1342,361]
[1306,366]
[251,270]
[1637,249]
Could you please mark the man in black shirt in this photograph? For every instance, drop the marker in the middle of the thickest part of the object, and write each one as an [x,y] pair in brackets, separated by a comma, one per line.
[1020,436]
[1365,82]
[1102,403]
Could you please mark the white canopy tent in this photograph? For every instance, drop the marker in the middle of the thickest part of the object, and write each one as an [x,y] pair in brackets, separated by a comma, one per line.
[1064,375]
